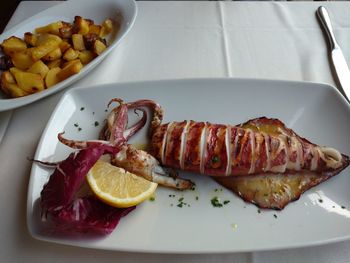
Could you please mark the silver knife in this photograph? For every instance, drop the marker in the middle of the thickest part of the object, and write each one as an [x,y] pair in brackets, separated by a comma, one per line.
[339,62]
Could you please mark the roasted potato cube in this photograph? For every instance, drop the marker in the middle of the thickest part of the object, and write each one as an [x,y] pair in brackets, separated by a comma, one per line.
[78,42]
[39,67]
[14,91]
[13,44]
[10,87]
[107,27]
[55,63]
[70,69]
[45,48]
[30,39]
[95,29]
[43,38]
[81,26]
[99,47]
[7,77]
[67,63]
[66,30]
[70,54]
[22,59]
[51,77]
[86,56]
[52,28]
[29,82]
[13,70]
[53,55]
[6,80]
[64,45]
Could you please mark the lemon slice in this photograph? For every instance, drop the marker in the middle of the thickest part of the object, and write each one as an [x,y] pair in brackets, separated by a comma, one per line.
[117,187]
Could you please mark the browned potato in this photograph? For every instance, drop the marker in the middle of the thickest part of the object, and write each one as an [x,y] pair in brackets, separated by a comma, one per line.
[53,55]
[7,77]
[6,80]
[45,48]
[51,77]
[81,26]
[43,38]
[68,63]
[22,59]
[7,83]
[99,47]
[55,63]
[107,27]
[52,28]
[13,44]
[66,30]
[70,69]
[30,39]
[13,91]
[39,67]
[95,29]
[70,54]
[27,81]
[78,42]
[86,56]
[64,45]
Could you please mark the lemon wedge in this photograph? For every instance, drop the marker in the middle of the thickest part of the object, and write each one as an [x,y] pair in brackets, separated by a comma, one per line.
[117,187]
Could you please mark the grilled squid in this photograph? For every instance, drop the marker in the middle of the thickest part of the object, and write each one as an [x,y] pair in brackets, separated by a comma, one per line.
[224,150]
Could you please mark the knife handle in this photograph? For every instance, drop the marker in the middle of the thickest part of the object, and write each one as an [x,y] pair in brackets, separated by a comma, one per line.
[327,25]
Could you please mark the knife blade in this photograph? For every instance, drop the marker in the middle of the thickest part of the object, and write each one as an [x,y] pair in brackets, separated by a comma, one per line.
[338,59]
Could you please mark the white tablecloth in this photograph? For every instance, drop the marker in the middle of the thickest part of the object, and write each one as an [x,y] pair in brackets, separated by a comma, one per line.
[275,40]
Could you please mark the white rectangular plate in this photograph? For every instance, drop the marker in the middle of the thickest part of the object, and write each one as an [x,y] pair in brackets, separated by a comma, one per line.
[120,11]
[315,111]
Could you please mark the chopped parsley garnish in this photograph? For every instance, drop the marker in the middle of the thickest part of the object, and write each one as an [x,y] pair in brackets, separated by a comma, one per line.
[181,202]
[79,129]
[82,108]
[152,198]
[343,207]
[96,123]
[226,202]
[76,125]
[215,202]
[274,215]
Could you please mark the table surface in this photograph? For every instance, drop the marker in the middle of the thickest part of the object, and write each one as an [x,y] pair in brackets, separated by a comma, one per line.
[177,40]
